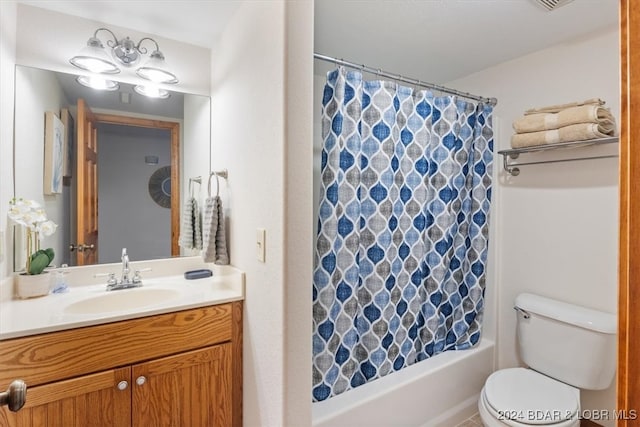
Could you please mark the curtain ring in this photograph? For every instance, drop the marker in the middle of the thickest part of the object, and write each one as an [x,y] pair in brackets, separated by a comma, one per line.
[217,184]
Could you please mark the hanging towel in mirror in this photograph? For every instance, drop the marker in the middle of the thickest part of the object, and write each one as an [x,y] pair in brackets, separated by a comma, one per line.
[191,227]
[214,244]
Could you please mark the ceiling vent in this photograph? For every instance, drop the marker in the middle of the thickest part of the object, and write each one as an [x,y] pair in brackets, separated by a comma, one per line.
[551,4]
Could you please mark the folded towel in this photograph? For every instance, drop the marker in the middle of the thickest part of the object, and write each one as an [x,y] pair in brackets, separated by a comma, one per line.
[214,240]
[570,116]
[560,107]
[190,228]
[577,132]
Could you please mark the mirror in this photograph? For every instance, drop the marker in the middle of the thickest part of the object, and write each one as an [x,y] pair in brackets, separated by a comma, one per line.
[144,146]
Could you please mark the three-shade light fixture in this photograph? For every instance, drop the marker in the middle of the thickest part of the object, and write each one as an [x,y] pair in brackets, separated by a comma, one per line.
[124,52]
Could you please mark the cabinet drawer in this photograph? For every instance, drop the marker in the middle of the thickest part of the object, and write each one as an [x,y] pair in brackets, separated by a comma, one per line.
[51,357]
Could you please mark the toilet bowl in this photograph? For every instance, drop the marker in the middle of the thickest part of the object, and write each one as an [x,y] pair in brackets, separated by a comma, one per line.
[567,348]
[520,397]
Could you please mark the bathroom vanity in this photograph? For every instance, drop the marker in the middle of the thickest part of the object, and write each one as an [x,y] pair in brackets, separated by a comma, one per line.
[175,362]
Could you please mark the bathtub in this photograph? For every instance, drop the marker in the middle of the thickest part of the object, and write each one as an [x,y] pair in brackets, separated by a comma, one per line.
[440,391]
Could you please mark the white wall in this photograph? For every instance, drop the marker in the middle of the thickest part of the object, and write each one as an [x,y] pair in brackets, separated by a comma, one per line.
[48,39]
[248,139]
[8,12]
[133,220]
[39,92]
[299,205]
[196,150]
[558,228]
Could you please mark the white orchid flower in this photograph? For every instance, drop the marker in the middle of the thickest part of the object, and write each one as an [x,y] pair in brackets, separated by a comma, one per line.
[39,215]
[17,214]
[31,215]
[46,228]
[26,203]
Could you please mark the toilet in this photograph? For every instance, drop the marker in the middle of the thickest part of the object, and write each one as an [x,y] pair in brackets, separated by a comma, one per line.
[566,348]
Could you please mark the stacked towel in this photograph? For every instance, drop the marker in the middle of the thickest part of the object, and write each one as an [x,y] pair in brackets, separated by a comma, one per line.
[214,240]
[560,107]
[191,226]
[577,121]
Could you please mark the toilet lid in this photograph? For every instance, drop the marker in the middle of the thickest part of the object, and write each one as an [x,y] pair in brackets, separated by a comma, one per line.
[528,397]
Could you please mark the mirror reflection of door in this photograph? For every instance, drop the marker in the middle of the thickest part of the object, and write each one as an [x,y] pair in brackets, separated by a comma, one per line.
[86,248]
[114,187]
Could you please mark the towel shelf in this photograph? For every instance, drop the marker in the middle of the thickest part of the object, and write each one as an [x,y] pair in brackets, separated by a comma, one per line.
[513,169]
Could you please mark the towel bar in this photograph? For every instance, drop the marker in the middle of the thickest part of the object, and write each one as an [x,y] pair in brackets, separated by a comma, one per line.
[221,173]
[218,174]
[514,170]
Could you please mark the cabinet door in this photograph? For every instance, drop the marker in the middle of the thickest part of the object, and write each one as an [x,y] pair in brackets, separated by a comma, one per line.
[89,401]
[189,389]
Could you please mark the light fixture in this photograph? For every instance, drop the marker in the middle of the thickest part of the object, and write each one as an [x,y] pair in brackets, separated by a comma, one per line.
[154,69]
[152,91]
[93,57]
[99,83]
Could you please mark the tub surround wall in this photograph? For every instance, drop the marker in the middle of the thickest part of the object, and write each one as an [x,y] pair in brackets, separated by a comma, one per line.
[558,223]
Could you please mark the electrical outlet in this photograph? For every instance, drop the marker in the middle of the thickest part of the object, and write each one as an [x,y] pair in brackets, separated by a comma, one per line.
[261,238]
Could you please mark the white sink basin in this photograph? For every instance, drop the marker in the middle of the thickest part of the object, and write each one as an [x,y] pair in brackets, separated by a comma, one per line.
[122,300]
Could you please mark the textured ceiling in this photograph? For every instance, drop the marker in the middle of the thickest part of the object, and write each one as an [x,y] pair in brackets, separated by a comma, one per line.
[442,40]
[197,22]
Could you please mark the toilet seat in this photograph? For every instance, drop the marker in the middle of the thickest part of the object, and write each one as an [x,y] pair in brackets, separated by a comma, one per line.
[523,397]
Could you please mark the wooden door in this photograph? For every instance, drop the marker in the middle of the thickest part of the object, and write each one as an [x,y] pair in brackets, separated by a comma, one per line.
[628,377]
[190,389]
[87,186]
[89,401]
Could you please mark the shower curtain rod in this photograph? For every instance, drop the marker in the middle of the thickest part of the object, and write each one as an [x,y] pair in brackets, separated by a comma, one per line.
[398,77]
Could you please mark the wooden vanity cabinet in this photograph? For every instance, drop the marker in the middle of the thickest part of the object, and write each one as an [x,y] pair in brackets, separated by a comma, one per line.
[180,369]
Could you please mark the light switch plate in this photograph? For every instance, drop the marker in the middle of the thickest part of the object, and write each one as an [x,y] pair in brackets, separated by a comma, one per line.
[261,238]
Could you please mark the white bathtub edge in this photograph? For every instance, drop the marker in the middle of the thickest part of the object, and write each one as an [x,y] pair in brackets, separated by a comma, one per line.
[410,394]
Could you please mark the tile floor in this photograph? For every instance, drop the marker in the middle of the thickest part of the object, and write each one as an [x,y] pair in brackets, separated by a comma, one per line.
[474,421]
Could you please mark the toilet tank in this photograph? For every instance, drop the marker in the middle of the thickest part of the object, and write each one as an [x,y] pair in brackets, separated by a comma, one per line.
[573,344]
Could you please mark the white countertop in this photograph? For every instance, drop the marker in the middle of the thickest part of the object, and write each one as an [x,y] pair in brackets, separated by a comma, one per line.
[20,318]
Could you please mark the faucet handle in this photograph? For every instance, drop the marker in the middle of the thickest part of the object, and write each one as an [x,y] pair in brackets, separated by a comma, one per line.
[137,278]
[111,277]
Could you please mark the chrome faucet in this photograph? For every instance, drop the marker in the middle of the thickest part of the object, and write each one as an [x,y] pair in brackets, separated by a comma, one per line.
[125,268]
[125,281]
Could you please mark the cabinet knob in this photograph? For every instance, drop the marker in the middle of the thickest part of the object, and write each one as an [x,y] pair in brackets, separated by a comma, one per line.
[141,380]
[122,385]
[15,396]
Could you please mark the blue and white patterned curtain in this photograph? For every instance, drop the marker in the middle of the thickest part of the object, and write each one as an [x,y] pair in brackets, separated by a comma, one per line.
[403,229]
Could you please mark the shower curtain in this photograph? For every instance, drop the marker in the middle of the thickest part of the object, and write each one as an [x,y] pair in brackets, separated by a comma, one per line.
[403,229]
